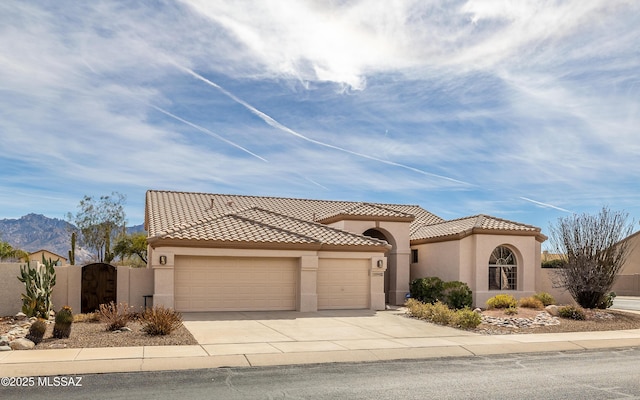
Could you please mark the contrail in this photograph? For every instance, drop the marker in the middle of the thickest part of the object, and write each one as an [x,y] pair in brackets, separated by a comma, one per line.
[544,204]
[208,132]
[272,122]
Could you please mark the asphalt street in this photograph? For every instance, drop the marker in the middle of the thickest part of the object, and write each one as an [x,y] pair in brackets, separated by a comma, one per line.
[611,374]
[627,303]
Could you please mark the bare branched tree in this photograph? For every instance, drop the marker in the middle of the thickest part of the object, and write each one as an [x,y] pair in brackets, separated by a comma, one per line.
[594,252]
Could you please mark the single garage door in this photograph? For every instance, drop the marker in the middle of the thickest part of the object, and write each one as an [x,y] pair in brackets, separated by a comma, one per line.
[235,284]
[343,284]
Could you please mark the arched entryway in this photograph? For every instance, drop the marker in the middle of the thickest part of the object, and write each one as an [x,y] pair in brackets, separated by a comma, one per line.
[99,286]
[377,234]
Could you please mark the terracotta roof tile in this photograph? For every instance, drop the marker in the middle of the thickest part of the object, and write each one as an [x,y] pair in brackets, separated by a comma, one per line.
[256,225]
[367,210]
[468,225]
[219,217]
[167,209]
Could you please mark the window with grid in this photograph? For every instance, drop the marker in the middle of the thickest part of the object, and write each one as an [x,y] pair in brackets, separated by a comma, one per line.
[503,269]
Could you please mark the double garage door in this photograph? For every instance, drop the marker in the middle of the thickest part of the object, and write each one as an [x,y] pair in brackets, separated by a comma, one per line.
[265,284]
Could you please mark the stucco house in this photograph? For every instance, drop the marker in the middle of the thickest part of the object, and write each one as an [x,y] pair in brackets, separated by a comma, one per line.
[37,256]
[216,252]
[628,280]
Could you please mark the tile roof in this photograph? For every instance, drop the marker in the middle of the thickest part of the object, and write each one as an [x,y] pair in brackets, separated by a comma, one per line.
[260,226]
[165,209]
[255,219]
[465,226]
[366,211]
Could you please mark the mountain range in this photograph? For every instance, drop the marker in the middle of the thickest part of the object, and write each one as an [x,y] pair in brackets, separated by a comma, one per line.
[34,232]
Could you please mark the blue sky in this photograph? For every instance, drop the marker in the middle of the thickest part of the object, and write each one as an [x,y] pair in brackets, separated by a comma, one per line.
[526,110]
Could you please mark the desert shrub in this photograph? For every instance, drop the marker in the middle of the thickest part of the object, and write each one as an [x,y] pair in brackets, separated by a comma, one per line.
[502,301]
[545,298]
[160,320]
[572,312]
[62,326]
[457,295]
[416,308]
[440,313]
[607,301]
[37,330]
[530,302]
[556,263]
[466,318]
[115,316]
[427,290]
[511,310]
[87,317]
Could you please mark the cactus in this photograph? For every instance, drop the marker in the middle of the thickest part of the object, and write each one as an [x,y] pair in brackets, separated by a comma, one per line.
[39,283]
[108,255]
[72,252]
[62,327]
[37,330]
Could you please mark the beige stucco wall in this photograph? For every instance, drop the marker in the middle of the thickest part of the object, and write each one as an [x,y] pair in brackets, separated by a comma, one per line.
[441,259]
[467,260]
[308,262]
[544,283]
[133,283]
[10,289]
[628,281]
[398,258]
[632,264]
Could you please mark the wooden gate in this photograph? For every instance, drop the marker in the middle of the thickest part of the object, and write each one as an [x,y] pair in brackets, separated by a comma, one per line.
[99,285]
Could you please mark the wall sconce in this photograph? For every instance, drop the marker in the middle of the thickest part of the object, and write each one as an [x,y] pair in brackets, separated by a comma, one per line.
[380,263]
[163,260]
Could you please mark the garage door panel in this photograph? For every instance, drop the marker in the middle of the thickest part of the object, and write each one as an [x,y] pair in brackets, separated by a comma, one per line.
[231,284]
[343,284]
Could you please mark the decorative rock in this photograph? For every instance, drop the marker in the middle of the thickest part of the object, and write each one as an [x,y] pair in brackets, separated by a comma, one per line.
[22,344]
[116,331]
[58,346]
[125,329]
[477,311]
[542,319]
[552,310]
[4,340]
[5,348]
[20,316]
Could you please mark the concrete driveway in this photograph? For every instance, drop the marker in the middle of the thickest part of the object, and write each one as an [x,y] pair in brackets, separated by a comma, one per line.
[290,331]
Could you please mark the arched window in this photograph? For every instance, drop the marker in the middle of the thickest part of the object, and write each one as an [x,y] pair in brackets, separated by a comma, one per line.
[503,269]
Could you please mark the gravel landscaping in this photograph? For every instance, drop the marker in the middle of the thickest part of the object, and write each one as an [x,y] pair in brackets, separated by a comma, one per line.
[94,334]
[596,320]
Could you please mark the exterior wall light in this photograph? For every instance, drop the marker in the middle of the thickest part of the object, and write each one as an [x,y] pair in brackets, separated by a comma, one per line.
[380,263]
[163,260]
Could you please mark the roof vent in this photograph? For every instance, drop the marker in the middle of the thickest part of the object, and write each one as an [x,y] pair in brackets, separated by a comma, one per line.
[230,203]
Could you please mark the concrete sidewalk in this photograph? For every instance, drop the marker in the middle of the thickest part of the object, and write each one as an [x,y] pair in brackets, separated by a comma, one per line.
[247,339]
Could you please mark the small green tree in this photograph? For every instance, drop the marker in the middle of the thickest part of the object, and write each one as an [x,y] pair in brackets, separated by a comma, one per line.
[132,245]
[594,252]
[9,253]
[100,221]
